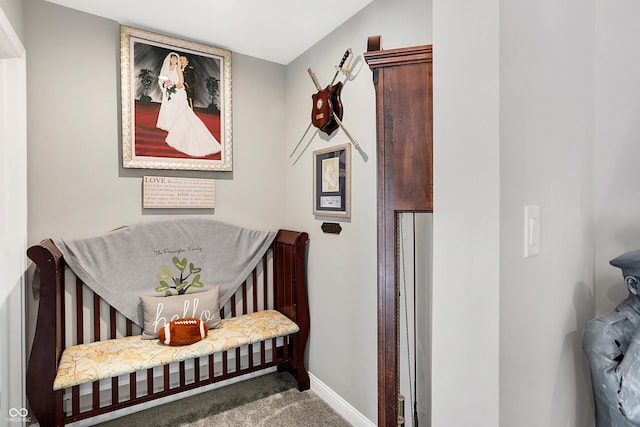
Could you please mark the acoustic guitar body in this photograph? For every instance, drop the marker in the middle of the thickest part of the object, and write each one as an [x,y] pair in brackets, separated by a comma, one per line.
[326,103]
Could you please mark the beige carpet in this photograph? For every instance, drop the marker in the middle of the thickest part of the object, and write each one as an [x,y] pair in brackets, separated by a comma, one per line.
[270,400]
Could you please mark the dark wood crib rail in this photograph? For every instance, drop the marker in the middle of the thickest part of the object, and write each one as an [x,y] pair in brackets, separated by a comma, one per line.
[287,287]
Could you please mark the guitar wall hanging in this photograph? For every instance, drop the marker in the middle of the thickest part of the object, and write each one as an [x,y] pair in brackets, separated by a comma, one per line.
[327,110]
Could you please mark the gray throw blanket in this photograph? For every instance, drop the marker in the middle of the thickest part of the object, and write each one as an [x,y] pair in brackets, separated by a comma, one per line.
[174,256]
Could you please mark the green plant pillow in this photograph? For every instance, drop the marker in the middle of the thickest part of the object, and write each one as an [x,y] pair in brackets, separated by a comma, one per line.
[160,310]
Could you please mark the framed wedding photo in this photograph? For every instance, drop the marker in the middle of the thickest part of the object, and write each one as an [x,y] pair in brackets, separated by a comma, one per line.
[176,103]
[332,181]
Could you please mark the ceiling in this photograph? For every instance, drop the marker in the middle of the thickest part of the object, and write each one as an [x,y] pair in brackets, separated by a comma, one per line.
[273,30]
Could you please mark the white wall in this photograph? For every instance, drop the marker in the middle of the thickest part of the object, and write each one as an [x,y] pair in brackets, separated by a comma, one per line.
[617,109]
[12,9]
[342,268]
[13,155]
[547,121]
[466,213]
[13,218]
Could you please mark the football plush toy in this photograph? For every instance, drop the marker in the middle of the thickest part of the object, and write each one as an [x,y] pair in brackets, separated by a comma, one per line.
[183,331]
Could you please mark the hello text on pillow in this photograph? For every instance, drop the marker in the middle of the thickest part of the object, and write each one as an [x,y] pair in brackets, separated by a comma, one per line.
[160,310]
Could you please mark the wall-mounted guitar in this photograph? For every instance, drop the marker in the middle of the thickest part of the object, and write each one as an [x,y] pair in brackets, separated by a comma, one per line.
[327,109]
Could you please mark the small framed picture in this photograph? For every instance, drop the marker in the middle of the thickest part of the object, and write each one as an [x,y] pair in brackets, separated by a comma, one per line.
[332,181]
[176,103]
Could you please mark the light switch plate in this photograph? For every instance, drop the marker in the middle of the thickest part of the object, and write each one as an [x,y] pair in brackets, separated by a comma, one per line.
[531,231]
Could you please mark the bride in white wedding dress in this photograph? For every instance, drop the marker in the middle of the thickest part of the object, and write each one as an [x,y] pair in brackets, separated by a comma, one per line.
[186,132]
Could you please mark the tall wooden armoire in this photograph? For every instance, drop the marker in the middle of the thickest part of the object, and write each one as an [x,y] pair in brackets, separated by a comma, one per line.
[404,108]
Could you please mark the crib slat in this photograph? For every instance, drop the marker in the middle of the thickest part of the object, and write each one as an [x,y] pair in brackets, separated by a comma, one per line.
[79,313]
[244,297]
[149,381]
[133,392]
[95,395]
[182,374]
[112,322]
[96,317]
[211,367]
[233,305]
[196,369]
[75,400]
[114,391]
[285,345]
[225,362]
[75,390]
[265,284]
[255,290]
[165,376]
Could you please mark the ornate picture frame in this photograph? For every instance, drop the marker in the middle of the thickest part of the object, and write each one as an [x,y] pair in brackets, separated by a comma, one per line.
[332,181]
[158,132]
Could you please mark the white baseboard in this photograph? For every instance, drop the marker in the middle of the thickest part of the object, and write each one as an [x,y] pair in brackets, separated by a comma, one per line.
[341,406]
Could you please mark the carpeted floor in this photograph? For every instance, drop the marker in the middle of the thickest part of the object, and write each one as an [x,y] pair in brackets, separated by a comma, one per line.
[268,400]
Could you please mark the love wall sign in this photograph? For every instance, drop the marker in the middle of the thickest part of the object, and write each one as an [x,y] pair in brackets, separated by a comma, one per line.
[181,193]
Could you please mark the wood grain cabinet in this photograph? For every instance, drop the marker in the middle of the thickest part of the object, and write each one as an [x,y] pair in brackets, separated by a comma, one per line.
[404,110]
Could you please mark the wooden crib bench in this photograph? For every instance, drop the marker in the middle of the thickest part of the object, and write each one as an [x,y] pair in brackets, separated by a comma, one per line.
[66,378]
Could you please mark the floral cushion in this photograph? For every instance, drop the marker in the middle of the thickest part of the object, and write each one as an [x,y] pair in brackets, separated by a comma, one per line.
[105,359]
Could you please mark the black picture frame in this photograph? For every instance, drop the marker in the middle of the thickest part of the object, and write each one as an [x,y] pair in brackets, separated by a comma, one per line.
[332,181]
